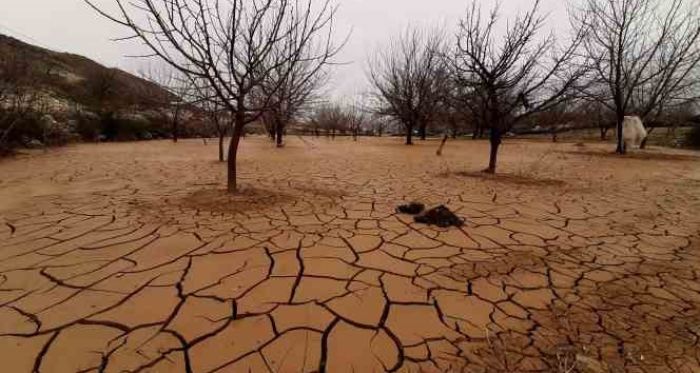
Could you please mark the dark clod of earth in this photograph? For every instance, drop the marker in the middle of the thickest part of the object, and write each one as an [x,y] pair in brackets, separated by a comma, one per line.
[440,216]
[413,208]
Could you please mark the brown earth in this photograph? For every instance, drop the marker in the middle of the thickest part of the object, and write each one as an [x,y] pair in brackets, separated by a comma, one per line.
[129,257]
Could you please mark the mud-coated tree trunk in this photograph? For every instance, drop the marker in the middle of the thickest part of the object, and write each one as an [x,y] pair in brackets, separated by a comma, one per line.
[495,140]
[233,153]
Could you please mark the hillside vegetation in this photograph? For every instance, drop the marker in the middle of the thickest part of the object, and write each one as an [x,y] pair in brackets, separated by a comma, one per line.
[50,98]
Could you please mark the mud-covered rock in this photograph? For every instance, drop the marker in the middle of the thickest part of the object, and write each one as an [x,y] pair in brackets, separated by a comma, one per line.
[440,216]
[413,208]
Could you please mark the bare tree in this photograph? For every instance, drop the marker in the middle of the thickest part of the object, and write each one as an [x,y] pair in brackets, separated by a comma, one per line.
[180,89]
[222,123]
[602,117]
[356,117]
[510,80]
[644,55]
[290,90]
[205,98]
[330,117]
[453,112]
[673,118]
[560,118]
[461,102]
[234,46]
[407,78]
[379,124]
[311,123]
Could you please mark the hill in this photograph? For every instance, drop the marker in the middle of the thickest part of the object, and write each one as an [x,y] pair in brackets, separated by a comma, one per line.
[73,78]
[50,98]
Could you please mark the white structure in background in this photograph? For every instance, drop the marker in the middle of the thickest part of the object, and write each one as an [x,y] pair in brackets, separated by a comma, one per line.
[633,131]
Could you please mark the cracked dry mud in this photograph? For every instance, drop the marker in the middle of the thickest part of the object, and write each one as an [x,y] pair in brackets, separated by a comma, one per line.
[129,257]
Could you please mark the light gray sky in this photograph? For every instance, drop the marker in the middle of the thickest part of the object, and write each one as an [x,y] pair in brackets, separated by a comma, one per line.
[71,26]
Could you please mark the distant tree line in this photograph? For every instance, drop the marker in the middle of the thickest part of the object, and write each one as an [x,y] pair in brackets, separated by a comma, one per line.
[623,57]
[231,64]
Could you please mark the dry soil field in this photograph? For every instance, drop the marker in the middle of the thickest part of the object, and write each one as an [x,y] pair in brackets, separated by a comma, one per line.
[129,257]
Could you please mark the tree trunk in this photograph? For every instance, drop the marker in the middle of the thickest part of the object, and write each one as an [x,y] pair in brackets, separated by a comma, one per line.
[221,146]
[495,139]
[409,135]
[233,153]
[603,133]
[271,131]
[442,145]
[480,132]
[176,118]
[422,130]
[279,132]
[620,140]
[643,144]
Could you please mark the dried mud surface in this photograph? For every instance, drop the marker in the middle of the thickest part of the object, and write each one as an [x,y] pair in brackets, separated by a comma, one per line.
[130,257]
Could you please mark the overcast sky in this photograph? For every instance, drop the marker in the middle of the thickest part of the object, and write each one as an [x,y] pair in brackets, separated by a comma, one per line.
[71,26]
